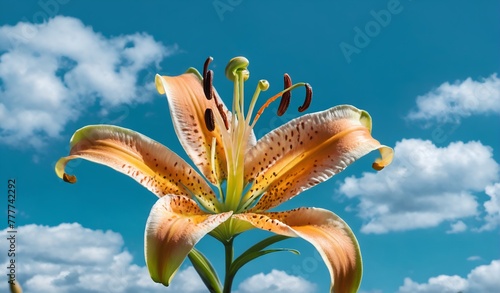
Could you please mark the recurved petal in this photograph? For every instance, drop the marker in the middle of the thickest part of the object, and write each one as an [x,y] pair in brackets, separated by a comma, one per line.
[307,151]
[331,236]
[148,162]
[174,226]
[187,103]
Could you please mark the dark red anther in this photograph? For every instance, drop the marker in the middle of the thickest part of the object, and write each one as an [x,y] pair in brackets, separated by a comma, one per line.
[209,119]
[285,98]
[207,85]
[307,101]
[205,66]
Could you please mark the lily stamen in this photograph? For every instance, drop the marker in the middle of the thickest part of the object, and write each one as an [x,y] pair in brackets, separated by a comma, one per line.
[285,98]
[209,91]
[207,79]
[205,65]
[222,114]
[275,97]
[263,85]
[307,101]
[207,85]
[209,119]
[214,168]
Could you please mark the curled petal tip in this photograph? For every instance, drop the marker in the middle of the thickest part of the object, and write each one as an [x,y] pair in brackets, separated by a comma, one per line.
[387,155]
[377,166]
[159,84]
[69,178]
[59,168]
[366,120]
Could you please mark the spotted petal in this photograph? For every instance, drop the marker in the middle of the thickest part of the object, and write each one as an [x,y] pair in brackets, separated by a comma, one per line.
[331,236]
[174,226]
[148,162]
[188,103]
[307,151]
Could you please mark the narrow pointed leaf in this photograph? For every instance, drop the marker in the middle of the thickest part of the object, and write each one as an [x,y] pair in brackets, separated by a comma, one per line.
[248,257]
[257,250]
[265,243]
[206,271]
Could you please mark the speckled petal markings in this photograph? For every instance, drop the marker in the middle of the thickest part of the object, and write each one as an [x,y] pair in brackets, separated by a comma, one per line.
[174,226]
[307,151]
[187,106]
[148,162]
[331,236]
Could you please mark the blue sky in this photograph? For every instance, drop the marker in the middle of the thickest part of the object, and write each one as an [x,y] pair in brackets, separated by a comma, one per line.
[427,73]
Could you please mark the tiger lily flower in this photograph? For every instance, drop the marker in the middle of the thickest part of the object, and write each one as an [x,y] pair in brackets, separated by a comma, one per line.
[241,178]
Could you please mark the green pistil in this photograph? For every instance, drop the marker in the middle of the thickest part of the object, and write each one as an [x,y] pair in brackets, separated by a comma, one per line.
[237,71]
[240,130]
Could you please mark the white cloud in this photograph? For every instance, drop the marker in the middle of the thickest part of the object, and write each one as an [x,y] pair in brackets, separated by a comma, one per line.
[276,282]
[451,102]
[439,284]
[457,227]
[187,281]
[425,186]
[492,208]
[51,72]
[474,258]
[482,279]
[485,278]
[69,258]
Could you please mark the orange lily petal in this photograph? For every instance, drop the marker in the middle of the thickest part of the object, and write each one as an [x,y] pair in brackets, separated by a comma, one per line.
[148,162]
[174,226]
[187,107]
[331,236]
[307,151]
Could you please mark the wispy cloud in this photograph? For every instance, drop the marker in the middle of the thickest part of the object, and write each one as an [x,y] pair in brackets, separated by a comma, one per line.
[492,208]
[482,279]
[276,282]
[51,77]
[451,102]
[457,227]
[425,186]
[474,258]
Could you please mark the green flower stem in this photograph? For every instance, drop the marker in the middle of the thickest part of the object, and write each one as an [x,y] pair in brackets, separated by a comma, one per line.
[208,274]
[228,278]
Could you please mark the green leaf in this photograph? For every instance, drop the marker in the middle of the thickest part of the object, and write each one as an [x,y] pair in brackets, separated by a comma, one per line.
[265,243]
[206,271]
[247,257]
[257,251]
